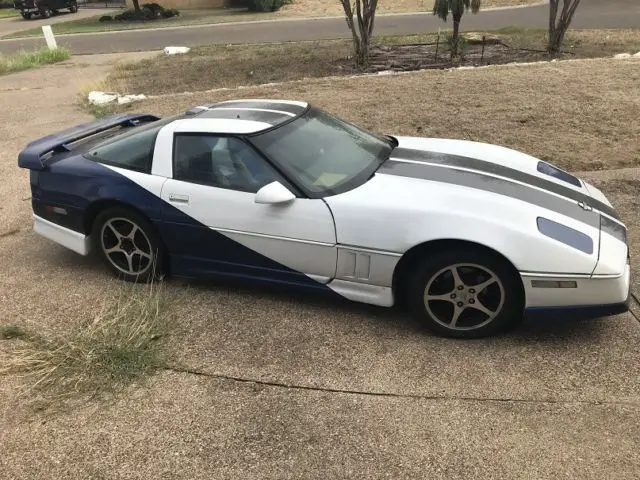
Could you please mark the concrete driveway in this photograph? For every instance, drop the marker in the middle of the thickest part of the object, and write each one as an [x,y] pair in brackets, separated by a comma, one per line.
[16,24]
[591,14]
[275,387]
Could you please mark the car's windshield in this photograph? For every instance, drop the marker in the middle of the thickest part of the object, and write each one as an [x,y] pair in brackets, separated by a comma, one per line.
[324,154]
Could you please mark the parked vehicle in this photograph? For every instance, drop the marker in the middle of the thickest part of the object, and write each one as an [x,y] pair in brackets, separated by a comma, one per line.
[473,236]
[44,8]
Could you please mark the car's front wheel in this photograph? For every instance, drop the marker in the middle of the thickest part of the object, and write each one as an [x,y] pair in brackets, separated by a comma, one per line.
[466,294]
[73,8]
[128,244]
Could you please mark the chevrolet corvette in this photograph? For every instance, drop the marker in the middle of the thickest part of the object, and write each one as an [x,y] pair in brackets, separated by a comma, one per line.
[472,237]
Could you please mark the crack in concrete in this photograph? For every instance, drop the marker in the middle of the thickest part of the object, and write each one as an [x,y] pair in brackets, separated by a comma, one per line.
[10,232]
[413,396]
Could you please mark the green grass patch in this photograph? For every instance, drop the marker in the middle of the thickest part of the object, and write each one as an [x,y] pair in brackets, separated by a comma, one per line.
[121,344]
[8,12]
[26,60]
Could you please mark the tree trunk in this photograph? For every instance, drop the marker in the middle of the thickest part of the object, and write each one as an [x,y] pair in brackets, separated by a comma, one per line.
[136,6]
[558,26]
[456,35]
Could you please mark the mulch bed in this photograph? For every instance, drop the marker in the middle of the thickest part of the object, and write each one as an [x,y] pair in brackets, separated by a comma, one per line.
[433,56]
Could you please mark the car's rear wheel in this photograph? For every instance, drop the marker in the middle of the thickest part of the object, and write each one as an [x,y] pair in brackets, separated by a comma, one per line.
[128,244]
[466,294]
[26,15]
[73,8]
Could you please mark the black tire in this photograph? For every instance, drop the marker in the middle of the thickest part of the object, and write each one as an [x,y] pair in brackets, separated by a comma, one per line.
[126,259]
[26,15]
[45,13]
[462,311]
[73,8]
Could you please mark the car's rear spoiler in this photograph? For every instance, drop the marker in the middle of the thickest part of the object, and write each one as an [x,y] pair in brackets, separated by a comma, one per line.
[31,156]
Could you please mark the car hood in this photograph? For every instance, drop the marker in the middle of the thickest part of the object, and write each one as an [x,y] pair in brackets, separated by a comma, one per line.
[452,189]
[484,159]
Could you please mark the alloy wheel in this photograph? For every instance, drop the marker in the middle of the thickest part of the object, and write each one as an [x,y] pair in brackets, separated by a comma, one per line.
[464,296]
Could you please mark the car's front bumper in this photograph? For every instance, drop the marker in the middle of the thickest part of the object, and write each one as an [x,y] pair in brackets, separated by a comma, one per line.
[576,296]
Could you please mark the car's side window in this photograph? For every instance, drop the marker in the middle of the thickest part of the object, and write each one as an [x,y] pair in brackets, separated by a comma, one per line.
[225,162]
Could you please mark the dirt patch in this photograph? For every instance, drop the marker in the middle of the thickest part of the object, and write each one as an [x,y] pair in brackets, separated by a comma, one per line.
[221,66]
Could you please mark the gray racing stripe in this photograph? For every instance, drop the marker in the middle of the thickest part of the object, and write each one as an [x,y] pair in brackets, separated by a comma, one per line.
[503,171]
[491,184]
[283,107]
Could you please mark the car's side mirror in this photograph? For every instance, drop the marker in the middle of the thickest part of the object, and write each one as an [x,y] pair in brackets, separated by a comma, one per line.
[274,193]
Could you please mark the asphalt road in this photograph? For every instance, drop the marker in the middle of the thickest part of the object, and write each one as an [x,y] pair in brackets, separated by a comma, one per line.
[591,14]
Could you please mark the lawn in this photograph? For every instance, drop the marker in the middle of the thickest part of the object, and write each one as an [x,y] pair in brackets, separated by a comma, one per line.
[300,8]
[8,12]
[590,126]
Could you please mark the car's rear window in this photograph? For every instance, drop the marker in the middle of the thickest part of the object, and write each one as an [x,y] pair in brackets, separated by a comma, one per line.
[132,150]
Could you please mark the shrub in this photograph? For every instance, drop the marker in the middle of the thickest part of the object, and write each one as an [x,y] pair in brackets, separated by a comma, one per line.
[172,12]
[148,11]
[105,18]
[267,5]
[154,7]
[127,15]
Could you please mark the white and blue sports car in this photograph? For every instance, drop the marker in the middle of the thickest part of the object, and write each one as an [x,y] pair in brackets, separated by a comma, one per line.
[471,236]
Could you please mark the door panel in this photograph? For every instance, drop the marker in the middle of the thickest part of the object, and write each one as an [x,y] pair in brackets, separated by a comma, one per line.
[270,240]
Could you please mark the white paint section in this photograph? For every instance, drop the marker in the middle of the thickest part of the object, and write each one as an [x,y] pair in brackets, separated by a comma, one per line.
[366,266]
[395,213]
[482,151]
[299,234]
[589,291]
[267,100]
[75,241]
[613,255]
[362,292]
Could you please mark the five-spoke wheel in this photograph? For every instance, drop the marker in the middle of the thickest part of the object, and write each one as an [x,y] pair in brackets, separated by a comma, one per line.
[466,293]
[128,244]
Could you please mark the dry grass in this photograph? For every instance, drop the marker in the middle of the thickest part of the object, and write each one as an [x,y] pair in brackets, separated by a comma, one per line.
[582,115]
[322,8]
[221,66]
[117,346]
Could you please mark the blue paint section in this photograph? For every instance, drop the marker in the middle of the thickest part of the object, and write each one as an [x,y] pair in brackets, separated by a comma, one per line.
[566,235]
[75,183]
[583,312]
[31,156]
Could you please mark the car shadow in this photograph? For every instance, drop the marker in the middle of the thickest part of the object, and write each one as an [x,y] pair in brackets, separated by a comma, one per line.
[397,318]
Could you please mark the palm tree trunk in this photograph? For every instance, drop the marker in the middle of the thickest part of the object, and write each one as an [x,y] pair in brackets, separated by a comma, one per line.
[456,34]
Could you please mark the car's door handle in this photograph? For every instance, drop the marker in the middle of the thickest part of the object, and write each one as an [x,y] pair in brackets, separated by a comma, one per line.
[176,198]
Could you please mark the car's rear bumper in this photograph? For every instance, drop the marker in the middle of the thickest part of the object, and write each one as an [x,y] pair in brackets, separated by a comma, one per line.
[576,296]
[66,237]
